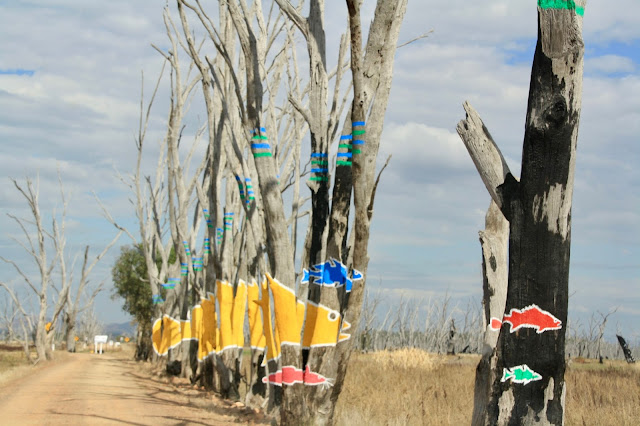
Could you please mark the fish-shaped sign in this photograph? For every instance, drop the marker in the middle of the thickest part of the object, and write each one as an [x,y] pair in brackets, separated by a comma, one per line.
[273,349]
[323,327]
[165,334]
[256,332]
[291,375]
[331,273]
[289,313]
[530,317]
[521,374]
[204,327]
[185,330]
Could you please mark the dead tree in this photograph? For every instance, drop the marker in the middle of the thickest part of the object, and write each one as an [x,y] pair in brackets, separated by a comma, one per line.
[529,381]
[82,301]
[628,356]
[327,244]
[9,312]
[494,242]
[48,304]
[601,329]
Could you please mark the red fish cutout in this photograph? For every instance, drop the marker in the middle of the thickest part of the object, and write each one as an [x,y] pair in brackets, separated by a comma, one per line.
[291,375]
[530,317]
[314,379]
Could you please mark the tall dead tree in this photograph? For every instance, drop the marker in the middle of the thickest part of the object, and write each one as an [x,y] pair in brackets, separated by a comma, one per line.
[49,307]
[38,252]
[529,384]
[494,243]
[327,245]
[78,303]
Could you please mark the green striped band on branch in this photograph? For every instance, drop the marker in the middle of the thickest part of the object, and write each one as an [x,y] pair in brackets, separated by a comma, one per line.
[358,136]
[561,4]
[260,149]
[320,167]
[344,151]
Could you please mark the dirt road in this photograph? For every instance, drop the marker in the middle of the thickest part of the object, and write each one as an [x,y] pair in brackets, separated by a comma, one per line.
[106,389]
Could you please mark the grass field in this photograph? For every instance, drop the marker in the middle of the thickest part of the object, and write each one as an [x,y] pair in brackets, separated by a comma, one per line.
[412,387]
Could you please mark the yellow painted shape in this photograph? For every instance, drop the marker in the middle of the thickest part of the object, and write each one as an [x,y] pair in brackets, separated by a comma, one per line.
[196,325]
[238,314]
[346,325]
[165,334]
[156,337]
[209,332]
[289,312]
[273,350]
[256,332]
[173,337]
[224,294]
[185,329]
[323,327]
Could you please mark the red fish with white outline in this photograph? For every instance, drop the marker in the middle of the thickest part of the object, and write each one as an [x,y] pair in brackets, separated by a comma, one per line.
[290,375]
[531,316]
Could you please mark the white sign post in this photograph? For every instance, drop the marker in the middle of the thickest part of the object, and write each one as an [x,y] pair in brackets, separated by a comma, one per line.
[100,339]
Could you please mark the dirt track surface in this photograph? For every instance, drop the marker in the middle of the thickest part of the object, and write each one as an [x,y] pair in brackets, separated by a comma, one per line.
[105,389]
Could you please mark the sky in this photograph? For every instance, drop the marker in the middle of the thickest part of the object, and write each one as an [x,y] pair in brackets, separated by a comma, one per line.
[70,76]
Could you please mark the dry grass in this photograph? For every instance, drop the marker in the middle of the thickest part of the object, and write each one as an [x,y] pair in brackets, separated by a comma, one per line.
[603,394]
[407,386]
[14,363]
[411,387]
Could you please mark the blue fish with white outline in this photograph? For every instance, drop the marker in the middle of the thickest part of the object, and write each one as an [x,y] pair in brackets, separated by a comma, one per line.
[331,273]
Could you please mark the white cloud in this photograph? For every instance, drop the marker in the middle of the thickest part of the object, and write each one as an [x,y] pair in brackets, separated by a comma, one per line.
[609,64]
[416,147]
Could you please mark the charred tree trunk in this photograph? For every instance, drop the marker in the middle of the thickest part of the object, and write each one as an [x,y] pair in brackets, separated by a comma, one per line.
[628,356]
[529,384]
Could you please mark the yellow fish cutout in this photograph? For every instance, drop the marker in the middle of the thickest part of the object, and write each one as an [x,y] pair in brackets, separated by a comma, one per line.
[322,327]
[208,342]
[196,322]
[289,313]
[224,294]
[239,313]
[185,330]
[256,332]
[273,350]
[165,334]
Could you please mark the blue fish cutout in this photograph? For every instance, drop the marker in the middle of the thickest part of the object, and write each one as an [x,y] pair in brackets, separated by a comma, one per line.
[331,273]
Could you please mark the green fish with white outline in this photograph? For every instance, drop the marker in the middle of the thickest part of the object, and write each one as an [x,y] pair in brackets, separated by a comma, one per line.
[520,374]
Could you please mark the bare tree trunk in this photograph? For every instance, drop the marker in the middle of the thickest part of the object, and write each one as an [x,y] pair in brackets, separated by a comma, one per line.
[529,382]
[494,242]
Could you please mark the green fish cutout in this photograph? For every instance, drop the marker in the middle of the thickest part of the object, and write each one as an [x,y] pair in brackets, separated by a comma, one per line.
[520,374]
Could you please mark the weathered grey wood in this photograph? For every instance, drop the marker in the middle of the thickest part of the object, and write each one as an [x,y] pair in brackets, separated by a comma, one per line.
[494,242]
[484,152]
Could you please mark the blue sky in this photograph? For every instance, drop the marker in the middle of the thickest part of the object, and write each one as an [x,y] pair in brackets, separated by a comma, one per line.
[69,97]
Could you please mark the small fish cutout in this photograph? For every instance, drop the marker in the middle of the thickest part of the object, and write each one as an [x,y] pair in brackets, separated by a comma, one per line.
[521,374]
[331,273]
[530,317]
